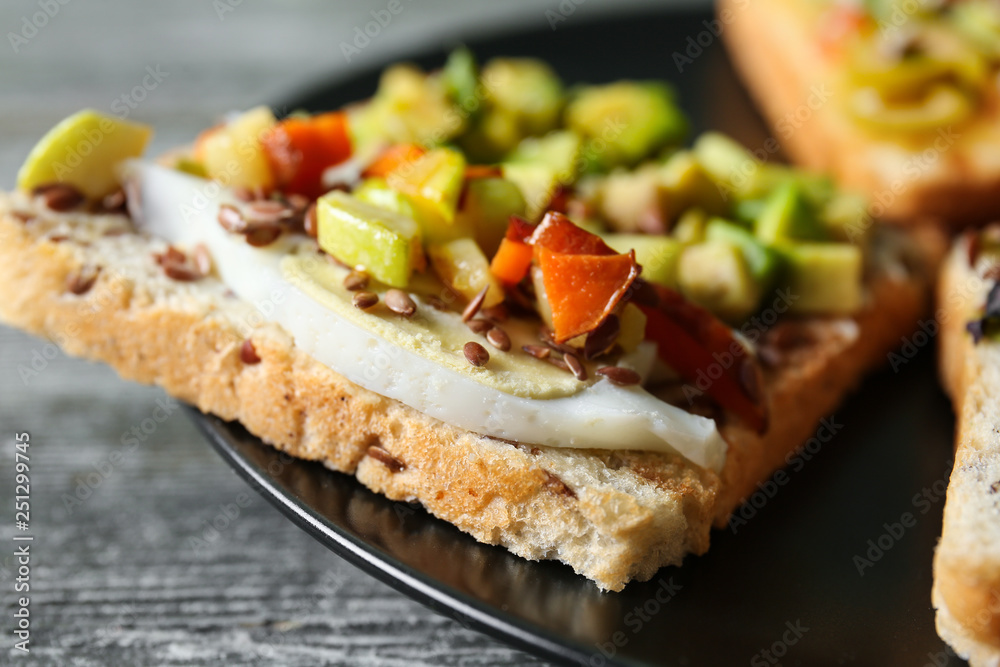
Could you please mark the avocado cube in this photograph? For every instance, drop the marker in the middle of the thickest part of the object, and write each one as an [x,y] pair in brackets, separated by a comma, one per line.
[823,278]
[370,238]
[789,215]
[461,78]
[690,228]
[486,210]
[688,184]
[630,119]
[537,182]
[528,90]
[763,262]
[657,255]
[559,151]
[715,275]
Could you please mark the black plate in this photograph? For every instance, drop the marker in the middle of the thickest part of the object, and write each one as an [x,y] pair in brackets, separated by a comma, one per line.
[826,567]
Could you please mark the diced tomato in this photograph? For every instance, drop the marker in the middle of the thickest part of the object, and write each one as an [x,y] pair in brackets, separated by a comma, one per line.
[557,233]
[519,229]
[583,289]
[299,150]
[512,261]
[391,158]
[695,343]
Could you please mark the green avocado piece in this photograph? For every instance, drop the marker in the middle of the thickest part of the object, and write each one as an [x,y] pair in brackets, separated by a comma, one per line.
[788,215]
[486,208]
[822,278]
[657,255]
[690,228]
[558,150]
[527,89]
[626,121]
[688,184]
[537,182]
[764,263]
[715,275]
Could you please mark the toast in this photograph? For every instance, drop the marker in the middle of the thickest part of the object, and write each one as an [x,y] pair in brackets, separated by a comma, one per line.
[90,283]
[951,172]
[966,589]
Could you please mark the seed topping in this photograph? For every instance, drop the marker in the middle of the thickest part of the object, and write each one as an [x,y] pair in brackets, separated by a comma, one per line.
[476,354]
[400,302]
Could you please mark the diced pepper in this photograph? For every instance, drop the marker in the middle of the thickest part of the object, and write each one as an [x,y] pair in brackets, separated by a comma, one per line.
[695,344]
[512,261]
[300,149]
[583,289]
[391,158]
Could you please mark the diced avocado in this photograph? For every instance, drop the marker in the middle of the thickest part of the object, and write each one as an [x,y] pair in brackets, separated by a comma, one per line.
[537,183]
[408,107]
[690,229]
[763,262]
[657,255]
[384,244]
[494,134]
[632,327]
[635,200]
[747,211]
[461,78]
[715,275]
[729,164]
[822,277]
[687,184]
[847,218]
[84,150]
[526,89]
[626,121]
[789,215]
[486,209]
[558,150]
[433,184]
[462,266]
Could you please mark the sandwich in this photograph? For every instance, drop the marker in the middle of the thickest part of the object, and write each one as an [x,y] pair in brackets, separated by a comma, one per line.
[896,99]
[966,592]
[525,307]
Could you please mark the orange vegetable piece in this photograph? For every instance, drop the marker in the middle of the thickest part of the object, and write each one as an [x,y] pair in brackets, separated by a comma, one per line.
[474,171]
[557,233]
[512,261]
[391,158]
[583,289]
[301,149]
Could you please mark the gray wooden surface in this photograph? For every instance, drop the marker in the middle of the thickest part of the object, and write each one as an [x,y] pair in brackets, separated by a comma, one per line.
[115,578]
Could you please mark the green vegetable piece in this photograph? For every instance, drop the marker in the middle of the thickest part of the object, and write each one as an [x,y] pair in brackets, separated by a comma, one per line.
[383,243]
[626,121]
[377,192]
[763,262]
[789,215]
[433,184]
[461,78]
[731,166]
[537,182]
[823,278]
[690,228]
[486,209]
[657,255]
[558,150]
[528,90]
[688,184]
[715,275]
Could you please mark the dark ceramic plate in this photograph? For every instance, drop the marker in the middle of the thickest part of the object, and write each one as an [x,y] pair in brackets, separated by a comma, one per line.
[831,562]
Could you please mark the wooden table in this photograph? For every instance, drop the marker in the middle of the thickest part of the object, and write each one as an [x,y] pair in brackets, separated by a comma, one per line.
[116,578]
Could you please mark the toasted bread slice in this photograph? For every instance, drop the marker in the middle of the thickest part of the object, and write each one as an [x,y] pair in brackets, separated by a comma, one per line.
[953,174]
[966,590]
[612,516]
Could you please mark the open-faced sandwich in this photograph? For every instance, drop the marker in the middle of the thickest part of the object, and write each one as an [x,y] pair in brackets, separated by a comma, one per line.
[897,99]
[967,562]
[524,307]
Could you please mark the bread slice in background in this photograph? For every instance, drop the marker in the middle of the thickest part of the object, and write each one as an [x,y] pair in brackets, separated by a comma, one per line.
[966,589]
[953,174]
[612,516]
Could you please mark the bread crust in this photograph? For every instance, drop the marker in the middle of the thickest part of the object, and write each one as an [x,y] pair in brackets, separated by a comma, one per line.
[953,174]
[966,591]
[612,516]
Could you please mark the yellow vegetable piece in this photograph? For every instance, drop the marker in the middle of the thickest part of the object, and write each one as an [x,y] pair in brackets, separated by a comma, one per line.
[233,154]
[433,183]
[84,151]
[462,265]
